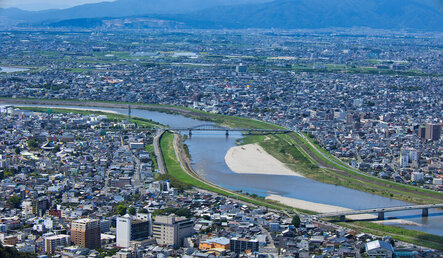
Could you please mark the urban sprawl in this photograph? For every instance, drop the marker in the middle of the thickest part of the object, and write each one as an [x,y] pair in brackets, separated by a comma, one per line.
[84,185]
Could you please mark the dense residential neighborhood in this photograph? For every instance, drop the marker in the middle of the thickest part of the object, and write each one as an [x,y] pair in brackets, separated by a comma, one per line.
[373,100]
[77,185]
[87,184]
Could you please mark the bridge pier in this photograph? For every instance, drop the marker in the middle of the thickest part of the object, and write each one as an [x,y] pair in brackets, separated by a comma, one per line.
[342,218]
[381,216]
[424,212]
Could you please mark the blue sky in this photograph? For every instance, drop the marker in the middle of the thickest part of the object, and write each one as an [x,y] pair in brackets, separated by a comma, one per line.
[33,5]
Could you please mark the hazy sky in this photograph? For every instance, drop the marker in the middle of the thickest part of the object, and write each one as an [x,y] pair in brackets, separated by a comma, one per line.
[45,4]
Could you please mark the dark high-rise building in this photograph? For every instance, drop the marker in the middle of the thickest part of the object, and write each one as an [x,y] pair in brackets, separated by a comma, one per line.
[86,233]
[349,119]
[40,205]
[129,228]
[421,132]
[433,132]
[239,245]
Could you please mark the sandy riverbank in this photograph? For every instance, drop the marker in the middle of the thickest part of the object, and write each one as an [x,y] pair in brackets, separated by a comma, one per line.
[398,222]
[253,159]
[316,207]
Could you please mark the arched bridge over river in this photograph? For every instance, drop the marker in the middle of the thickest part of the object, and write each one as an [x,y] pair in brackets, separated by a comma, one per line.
[214,127]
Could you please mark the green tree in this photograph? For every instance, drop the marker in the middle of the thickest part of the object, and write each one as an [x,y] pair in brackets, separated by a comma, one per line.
[17,150]
[183,212]
[33,144]
[121,209]
[56,149]
[132,210]
[296,220]
[143,210]
[10,252]
[165,211]
[14,201]
[104,252]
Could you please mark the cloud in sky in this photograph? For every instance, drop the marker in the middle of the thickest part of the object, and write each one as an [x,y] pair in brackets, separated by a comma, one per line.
[33,5]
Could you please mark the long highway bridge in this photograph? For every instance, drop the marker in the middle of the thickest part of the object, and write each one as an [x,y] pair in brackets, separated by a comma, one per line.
[381,211]
[214,127]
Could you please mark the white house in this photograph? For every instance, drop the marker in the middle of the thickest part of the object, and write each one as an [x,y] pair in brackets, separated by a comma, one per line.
[378,249]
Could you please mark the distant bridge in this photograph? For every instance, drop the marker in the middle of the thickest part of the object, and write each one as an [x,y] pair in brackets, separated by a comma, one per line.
[214,127]
[381,211]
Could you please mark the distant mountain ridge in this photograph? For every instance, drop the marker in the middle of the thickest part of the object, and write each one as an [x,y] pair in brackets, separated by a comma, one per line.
[239,14]
[120,8]
[291,14]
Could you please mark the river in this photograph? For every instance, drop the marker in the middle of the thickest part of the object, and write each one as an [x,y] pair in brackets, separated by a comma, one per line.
[4,69]
[208,149]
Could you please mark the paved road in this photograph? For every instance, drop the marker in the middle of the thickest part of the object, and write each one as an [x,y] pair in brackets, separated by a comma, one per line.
[136,179]
[376,210]
[158,152]
[271,240]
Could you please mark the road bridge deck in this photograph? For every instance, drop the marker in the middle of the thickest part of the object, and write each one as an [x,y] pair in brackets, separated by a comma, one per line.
[381,211]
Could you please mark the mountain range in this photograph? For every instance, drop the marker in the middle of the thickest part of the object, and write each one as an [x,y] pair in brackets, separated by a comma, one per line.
[239,14]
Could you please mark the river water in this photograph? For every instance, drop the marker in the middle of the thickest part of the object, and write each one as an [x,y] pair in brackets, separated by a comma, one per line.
[208,149]
[4,69]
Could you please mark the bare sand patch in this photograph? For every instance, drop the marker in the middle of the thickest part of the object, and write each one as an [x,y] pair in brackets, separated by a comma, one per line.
[316,207]
[253,159]
[399,222]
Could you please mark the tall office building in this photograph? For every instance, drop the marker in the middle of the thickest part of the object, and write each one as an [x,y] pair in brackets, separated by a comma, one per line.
[129,229]
[171,230]
[86,233]
[433,132]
